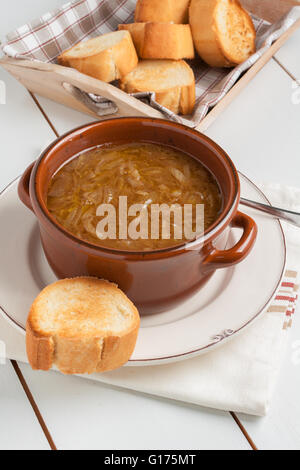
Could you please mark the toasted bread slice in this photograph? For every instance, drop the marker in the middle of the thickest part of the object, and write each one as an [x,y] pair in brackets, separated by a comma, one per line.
[172,81]
[81,325]
[108,57]
[223,32]
[164,11]
[161,40]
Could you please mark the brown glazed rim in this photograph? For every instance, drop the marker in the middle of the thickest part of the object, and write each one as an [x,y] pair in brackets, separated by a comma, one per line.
[208,234]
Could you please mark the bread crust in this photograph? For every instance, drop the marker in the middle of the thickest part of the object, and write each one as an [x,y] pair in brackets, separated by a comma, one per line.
[107,65]
[178,99]
[75,353]
[161,40]
[40,348]
[163,11]
[208,38]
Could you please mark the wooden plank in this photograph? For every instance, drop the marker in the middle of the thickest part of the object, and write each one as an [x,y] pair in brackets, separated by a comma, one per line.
[19,428]
[96,416]
[23,133]
[33,405]
[62,118]
[280,430]
[288,56]
[260,129]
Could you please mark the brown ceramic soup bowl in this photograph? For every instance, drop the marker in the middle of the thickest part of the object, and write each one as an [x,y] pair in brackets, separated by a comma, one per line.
[158,280]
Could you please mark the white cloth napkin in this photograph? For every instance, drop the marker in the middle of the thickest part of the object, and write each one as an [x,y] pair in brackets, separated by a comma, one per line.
[239,376]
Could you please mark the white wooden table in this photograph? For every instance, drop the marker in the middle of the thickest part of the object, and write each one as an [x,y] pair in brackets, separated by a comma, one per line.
[47,410]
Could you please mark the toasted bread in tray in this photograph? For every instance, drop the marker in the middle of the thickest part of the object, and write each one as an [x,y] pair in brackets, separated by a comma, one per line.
[223,32]
[108,57]
[161,40]
[172,81]
[164,11]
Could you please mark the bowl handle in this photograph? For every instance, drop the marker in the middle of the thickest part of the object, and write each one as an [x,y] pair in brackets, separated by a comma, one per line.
[23,188]
[225,258]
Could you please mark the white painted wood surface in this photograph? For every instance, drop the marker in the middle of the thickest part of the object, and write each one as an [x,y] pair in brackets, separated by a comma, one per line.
[24,131]
[62,118]
[260,129]
[280,430]
[289,55]
[19,428]
[81,414]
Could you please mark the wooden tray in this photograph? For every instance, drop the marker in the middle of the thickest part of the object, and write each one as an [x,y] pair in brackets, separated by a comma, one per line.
[60,83]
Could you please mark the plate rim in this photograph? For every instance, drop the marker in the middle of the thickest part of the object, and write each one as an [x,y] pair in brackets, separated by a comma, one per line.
[195,352]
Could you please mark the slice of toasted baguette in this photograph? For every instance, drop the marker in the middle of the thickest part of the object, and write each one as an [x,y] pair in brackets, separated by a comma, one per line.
[161,40]
[108,57]
[81,325]
[223,32]
[164,11]
[172,81]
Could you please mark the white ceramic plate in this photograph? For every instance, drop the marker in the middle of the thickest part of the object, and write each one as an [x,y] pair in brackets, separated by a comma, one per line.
[230,301]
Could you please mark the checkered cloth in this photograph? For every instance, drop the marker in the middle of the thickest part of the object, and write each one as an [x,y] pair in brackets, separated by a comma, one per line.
[45,38]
